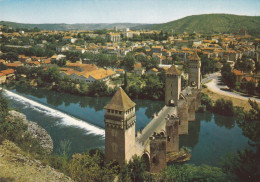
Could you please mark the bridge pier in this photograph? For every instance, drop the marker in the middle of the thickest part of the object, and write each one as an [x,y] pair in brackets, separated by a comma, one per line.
[172,132]
[182,110]
[157,153]
[192,107]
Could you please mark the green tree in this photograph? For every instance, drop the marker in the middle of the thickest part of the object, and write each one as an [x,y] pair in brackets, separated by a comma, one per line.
[228,77]
[224,107]
[10,56]
[245,165]
[3,67]
[128,62]
[97,88]
[90,168]
[190,173]
[206,100]
[133,171]
[52,74]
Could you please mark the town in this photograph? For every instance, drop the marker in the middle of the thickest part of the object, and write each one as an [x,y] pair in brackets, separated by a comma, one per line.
[106,55]
[129,103]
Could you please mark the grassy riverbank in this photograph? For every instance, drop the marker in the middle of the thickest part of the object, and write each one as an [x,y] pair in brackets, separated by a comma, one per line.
[236,102]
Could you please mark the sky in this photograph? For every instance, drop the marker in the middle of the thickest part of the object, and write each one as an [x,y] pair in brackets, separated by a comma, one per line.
[118,11]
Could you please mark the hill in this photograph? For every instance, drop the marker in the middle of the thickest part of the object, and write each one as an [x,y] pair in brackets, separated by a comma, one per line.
[207,23]
[210,23]
[64,26]
[17,165]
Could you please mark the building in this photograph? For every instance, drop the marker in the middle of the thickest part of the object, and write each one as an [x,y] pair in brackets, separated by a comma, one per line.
[120,128]
[113,37]
[172,86]
[2,78]
[152,71]
[194,71]
[9,73]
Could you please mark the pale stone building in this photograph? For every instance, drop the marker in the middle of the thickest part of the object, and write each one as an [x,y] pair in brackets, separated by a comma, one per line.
[113,37]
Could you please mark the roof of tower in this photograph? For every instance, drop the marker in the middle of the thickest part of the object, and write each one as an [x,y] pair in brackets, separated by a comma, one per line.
[173,70]
[120,101]
[194,57]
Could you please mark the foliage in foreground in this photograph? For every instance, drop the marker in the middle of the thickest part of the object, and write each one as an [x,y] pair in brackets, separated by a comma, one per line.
[189,173]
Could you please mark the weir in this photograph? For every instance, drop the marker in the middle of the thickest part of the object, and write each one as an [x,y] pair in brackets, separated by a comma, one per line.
[66,118]
[161,136]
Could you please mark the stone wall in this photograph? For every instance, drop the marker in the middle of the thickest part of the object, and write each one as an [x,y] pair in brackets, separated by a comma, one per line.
[172,128]
[157,153]
[182,110]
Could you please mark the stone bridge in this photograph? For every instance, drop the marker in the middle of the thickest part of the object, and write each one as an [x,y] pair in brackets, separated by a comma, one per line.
[161,135]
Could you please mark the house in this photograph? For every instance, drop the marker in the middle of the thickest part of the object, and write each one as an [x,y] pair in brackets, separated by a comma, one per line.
[120,71]
[9,73]
[138,69]
[239,75]
[157,49]
[14,64]
[2,78]
[152,71]
[89,76]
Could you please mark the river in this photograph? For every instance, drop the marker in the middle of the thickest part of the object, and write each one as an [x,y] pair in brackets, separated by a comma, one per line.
[80,120]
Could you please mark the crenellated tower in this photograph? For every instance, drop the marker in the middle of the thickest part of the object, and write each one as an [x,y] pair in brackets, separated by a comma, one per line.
[194,71]
[120,128]
[172,86]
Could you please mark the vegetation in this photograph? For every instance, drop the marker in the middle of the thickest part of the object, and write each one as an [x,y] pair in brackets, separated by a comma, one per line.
[189,173]
[208,65]
[224,107]
[228,77]
[211,23]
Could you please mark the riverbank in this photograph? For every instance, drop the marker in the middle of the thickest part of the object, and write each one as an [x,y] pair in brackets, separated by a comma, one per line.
[236,101]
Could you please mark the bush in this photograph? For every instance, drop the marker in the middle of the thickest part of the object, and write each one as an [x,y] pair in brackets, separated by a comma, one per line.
[189,173]
[202,108]
[206,100]
[224,107]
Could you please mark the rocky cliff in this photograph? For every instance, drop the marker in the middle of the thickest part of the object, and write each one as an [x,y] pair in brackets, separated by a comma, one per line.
[35,131]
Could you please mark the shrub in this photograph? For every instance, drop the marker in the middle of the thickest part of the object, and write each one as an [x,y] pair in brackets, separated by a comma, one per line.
[224,107]
[206,100]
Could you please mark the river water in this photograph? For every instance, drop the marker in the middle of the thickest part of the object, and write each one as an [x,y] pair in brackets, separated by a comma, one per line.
[80,120]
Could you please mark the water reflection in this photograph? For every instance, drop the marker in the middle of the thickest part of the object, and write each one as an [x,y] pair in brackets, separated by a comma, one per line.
[56,99]
[223,121]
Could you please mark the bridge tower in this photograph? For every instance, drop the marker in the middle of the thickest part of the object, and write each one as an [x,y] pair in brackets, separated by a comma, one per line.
[194,71]
[120,121]
[172,86]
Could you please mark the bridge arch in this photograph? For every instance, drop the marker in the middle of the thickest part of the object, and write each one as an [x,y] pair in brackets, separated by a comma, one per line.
[146,158]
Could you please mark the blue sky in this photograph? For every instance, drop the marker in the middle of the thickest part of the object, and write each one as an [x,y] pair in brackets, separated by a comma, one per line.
[118,11]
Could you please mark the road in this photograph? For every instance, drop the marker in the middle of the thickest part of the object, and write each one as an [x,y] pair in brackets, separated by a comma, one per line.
[215,86]
[156,124]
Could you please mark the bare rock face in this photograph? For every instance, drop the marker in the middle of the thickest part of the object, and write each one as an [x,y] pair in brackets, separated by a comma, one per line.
[35,131]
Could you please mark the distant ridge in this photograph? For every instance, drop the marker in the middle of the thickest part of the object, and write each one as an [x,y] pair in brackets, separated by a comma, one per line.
[210,23]
[63,26]
[206,23]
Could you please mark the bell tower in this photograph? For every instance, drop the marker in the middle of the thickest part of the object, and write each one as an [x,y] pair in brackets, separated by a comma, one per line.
[172,86]
[194,71]
[120,128]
